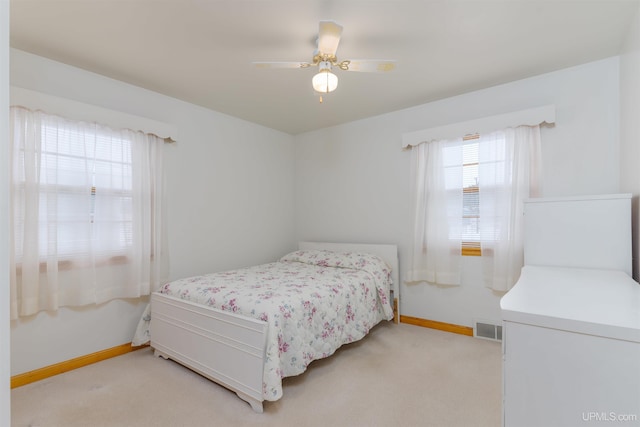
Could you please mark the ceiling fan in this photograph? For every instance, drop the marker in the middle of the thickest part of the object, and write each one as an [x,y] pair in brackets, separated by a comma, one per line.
[326,60]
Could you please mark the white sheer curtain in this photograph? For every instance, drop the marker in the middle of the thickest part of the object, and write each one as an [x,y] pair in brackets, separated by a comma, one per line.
[509,172]
[87,222]
[438,204]
[508,168]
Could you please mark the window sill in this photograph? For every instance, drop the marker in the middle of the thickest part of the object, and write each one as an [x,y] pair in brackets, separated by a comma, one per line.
[471,251]
[67,264]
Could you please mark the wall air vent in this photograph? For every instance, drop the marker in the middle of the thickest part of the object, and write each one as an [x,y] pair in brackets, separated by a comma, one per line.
[487,330]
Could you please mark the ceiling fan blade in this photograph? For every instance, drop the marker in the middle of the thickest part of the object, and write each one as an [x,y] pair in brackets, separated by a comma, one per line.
[266,65]
[368,65]
[329,37]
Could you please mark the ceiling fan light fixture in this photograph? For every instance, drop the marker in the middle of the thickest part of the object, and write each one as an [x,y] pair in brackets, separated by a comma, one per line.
[325,81]
[324,57]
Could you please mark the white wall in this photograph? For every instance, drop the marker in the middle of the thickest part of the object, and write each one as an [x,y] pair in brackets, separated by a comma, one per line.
[352,180]
[5,395]
[230,194]
[630,128]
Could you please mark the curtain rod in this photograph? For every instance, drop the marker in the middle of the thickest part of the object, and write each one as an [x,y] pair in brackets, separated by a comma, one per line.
[76,110]
[530,117]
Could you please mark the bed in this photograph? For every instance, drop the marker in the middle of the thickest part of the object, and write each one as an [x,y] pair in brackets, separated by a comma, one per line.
[247,329]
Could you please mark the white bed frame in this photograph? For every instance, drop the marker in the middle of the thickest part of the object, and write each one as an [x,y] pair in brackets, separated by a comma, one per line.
[228,348]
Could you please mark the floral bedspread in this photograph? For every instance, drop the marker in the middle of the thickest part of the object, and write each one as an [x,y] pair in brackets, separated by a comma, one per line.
[314,301]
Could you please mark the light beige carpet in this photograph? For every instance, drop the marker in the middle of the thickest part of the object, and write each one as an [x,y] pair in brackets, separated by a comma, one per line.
[399,375]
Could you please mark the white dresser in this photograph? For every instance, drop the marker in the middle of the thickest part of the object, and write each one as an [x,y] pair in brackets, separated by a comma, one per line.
[571,325]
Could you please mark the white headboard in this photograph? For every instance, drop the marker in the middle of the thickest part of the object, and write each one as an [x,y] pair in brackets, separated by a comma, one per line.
[389,253]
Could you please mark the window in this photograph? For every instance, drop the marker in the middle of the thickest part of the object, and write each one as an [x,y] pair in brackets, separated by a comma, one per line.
[473,229]
[87,213]
[461,165]
[471,200]
[89,181]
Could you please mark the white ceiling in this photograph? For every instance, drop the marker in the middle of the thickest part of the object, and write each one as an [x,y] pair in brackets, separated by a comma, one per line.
[201,51]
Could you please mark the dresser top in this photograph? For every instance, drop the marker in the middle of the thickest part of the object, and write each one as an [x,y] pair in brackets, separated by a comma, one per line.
[596,302]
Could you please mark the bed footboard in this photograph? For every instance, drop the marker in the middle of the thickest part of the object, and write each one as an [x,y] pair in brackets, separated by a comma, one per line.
[224,347]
